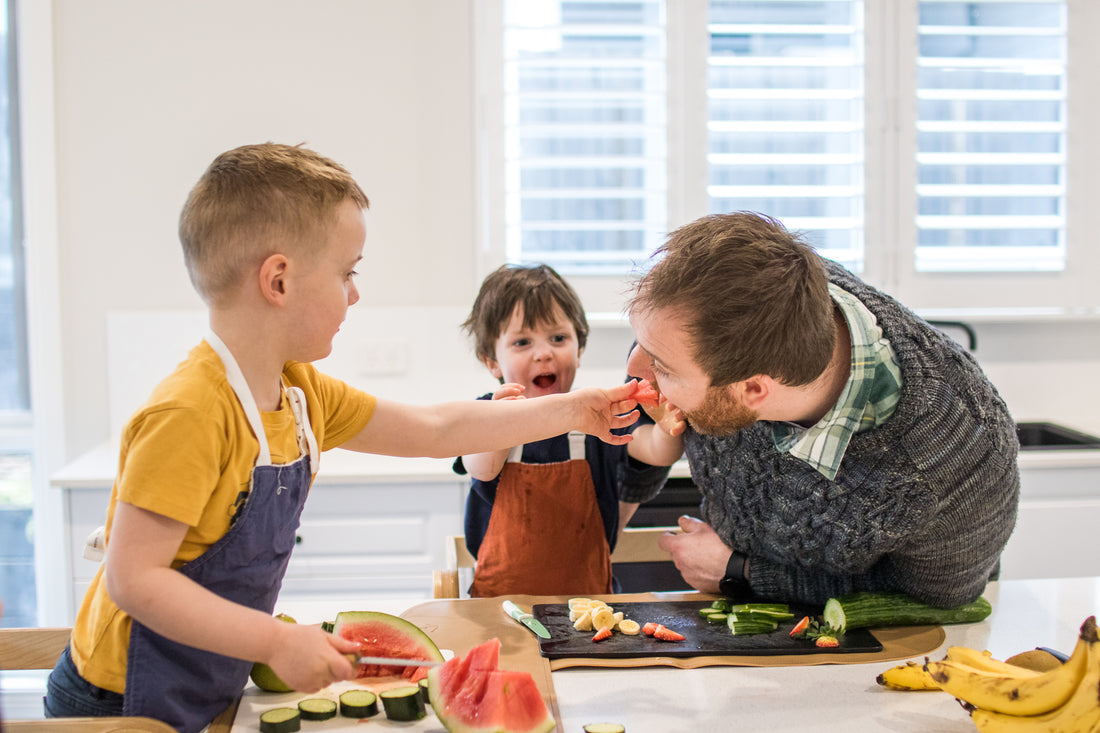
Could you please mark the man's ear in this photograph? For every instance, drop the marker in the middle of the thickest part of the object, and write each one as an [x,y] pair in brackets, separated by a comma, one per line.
[755,390]
[273,278]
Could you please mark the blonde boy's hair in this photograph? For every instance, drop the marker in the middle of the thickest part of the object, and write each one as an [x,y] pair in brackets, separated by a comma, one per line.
[255,201]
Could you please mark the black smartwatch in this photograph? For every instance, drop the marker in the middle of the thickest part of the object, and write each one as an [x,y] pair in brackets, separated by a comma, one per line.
[734,583]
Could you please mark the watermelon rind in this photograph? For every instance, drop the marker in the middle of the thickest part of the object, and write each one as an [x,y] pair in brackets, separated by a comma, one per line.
[385,635]
[471,695]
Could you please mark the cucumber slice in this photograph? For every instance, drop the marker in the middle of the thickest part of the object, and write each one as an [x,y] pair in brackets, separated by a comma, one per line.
[424,695]
[317,708]
[358,704]
[280,720]
[403,703]
[717,618]
[778,611]
[721,605]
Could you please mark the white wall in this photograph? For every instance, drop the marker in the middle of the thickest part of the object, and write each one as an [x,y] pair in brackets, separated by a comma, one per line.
[148,92]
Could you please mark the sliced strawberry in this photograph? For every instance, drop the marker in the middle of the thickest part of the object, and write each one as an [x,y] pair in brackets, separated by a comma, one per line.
[645,394]
[801,626]
[649,628]
[603,633]
[666,634]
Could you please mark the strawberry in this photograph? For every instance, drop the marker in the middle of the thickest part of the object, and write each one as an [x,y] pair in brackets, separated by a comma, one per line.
[649,628]
[666,634]
[827,641]
[603,633]
[800,626]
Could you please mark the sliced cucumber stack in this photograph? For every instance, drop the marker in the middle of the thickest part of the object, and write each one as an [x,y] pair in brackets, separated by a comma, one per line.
[317,708]
[358,704]
[403,703]
[280,720]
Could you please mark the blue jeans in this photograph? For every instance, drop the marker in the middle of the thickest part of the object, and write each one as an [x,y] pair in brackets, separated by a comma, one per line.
[68,695]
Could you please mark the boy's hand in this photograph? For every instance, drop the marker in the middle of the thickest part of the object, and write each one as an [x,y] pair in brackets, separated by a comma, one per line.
[604,410]
[308,659]
[669,419]
[509,391]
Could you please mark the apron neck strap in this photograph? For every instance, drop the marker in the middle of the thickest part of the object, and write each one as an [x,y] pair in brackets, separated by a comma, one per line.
[307,441]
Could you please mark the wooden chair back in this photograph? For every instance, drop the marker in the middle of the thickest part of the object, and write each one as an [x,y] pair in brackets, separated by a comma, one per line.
[39,648]
[636,544]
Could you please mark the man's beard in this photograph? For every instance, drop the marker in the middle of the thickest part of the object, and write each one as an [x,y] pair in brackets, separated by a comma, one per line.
[720,414]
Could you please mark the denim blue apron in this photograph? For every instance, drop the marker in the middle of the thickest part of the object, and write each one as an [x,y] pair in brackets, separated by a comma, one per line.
[188,687]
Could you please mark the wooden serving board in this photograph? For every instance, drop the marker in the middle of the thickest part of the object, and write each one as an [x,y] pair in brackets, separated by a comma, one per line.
[702,638]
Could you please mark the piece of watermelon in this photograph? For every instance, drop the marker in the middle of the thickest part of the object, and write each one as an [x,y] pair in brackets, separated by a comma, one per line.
[645,394]
[384,635]
[471,695]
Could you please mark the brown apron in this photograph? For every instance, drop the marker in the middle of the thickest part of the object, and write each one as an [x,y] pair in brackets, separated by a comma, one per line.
[546,533]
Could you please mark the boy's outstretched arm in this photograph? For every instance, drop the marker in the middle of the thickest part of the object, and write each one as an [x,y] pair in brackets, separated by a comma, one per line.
[487,466]
[476,426]
[142,583]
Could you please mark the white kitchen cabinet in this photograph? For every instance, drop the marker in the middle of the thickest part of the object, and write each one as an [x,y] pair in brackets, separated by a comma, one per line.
[1055,533]
[373,527]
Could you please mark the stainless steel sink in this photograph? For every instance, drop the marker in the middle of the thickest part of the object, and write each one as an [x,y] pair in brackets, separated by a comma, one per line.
[1051,436]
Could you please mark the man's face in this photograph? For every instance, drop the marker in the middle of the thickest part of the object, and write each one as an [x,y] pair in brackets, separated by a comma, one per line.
[664,356]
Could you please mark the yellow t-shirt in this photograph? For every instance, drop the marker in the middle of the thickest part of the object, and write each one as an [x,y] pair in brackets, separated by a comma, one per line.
[188,454]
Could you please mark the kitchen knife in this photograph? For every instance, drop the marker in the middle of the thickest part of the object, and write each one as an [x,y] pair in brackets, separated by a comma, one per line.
[393,662]
[526,619]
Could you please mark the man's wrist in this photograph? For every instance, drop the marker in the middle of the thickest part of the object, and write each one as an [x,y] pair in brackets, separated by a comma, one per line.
[735,581]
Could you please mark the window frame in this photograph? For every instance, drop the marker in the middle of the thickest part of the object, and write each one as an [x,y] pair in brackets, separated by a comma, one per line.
[890,153]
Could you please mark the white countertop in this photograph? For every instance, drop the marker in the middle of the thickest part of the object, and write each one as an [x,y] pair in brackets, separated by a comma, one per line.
[1026,614]
[96,468]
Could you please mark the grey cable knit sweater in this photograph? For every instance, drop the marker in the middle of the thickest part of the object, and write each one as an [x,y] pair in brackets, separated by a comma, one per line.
[923,504]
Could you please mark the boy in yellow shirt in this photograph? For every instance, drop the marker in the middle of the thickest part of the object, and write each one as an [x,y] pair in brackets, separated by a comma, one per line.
[215,467]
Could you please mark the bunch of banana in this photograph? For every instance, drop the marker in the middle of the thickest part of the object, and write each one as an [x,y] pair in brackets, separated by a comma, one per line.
[1003,698]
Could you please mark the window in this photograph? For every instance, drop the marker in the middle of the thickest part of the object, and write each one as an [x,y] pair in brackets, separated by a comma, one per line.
[584,147]
[17,571]
[921,143]
[991,99]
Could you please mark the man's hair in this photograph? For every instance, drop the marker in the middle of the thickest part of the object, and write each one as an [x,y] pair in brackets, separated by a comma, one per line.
[254,201]
[539,288]
[754,297]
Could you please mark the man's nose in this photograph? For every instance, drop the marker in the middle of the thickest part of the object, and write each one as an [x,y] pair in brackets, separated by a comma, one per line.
[638,364]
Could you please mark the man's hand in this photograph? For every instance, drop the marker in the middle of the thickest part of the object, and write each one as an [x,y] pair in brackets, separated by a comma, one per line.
[699,554]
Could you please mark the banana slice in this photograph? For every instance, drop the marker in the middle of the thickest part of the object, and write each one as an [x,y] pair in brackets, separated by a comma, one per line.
[629,627]
[602,616]
[584,623]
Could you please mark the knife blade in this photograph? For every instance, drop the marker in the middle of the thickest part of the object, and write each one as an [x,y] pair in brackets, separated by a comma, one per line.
[393,661]
[526,619]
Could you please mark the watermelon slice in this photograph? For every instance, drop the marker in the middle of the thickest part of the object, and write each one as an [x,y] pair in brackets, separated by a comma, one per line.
[471,695]
[383,635]
[645,394]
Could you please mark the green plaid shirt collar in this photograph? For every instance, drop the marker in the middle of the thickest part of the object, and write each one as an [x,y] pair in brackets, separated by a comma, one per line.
[868,399]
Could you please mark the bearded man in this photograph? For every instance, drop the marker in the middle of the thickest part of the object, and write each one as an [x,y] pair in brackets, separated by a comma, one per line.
[840,442]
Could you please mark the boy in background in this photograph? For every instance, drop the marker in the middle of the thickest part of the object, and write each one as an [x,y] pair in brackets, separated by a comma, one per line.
[216,465]
[542,518]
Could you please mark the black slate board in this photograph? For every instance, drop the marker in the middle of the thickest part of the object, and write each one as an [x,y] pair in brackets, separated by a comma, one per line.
[702,638]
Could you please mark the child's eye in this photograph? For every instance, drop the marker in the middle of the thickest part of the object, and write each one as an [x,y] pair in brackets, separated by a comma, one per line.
[520,343]
[659,370]
[561,338]
[351,274]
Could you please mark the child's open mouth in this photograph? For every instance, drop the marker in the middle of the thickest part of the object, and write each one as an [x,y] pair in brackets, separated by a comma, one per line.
[545,381]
